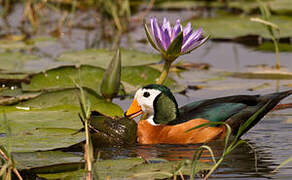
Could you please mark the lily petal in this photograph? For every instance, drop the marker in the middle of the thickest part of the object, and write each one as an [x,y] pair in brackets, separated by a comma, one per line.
[158,34]
[195,45]
[176,30]
[187,28]
[192,39]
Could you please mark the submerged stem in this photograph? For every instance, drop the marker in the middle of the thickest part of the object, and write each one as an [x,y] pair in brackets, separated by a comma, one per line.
[87,151]
[164,73]
[277,52]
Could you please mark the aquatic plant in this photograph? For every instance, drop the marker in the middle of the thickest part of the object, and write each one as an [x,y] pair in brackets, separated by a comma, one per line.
[6,159]
[112,78]
[85,116]
[229,147]
[272,28]
[173,42]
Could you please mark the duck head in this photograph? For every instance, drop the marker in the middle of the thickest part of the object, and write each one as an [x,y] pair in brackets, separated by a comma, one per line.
[157,102]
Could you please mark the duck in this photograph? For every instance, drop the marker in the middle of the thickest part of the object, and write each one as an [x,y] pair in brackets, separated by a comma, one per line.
[164,123]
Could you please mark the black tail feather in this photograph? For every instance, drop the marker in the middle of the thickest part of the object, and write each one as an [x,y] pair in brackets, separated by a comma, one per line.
[238,119]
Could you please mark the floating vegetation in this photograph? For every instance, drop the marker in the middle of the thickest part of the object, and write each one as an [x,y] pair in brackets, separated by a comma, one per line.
[57,60]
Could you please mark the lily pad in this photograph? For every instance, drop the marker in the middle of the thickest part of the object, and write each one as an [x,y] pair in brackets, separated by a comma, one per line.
[246,6]
[66,100]
[102,57]
[9,100]
[33,160]
[17,43]
[13,78]
[72,175]
[41,130]
[136,168]
[143,75]
[187,4]
[15,61]
[281,6]
[269,47]
[64,77]
[262,75]
[91,77]
[230,26]
[132,168]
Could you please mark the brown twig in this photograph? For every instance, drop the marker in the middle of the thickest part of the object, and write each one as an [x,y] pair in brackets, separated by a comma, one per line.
[282,106]
[14,169]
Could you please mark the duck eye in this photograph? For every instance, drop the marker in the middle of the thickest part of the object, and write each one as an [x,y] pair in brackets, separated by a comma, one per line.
[146,94]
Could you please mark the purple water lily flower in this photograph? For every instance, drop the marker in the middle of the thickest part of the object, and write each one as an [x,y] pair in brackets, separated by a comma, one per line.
[174,41]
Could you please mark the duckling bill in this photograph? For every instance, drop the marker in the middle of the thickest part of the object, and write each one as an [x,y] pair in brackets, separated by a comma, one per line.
[167,124]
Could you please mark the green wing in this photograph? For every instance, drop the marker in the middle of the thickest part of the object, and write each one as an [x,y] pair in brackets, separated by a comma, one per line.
[234,110]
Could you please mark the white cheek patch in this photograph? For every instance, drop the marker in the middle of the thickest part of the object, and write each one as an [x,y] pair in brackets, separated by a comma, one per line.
[146,103]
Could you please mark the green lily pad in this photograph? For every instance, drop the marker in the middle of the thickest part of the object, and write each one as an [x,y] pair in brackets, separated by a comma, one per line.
[102,57]
[269,47]
[281,6]
[68,175]
[132,168]
[186,4]
[9,100]
[64,77]
[246,6]
[15,61]
[262,75]
[142,75]
[41,130]
[26,45]
[13,78]
[66,100]
[33,160]
[136,168]
[91,77]
[231,26]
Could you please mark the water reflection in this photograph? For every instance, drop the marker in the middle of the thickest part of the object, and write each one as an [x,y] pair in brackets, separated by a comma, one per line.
[240,163]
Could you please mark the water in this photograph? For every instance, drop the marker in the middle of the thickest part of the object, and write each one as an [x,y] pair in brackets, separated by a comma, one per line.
[271,138]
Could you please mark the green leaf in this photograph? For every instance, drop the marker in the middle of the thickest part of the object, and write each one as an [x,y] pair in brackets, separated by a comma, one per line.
[15,61]
[269,74]
[174,48]
[270,47]
[34,160]
[136,168]
[66,100]
[112,78]
[143,75]
[67,175]
[64,77]
[281,7]
[149,37]
[229,26]
[102,57]
[13,78]
[42,130]
[91,77]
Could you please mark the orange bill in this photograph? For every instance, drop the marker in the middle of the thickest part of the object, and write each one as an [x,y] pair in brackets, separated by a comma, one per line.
[134,110]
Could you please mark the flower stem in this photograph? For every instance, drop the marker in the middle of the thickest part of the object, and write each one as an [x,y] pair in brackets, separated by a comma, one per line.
[164,73]
[87,151]
[277,53]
